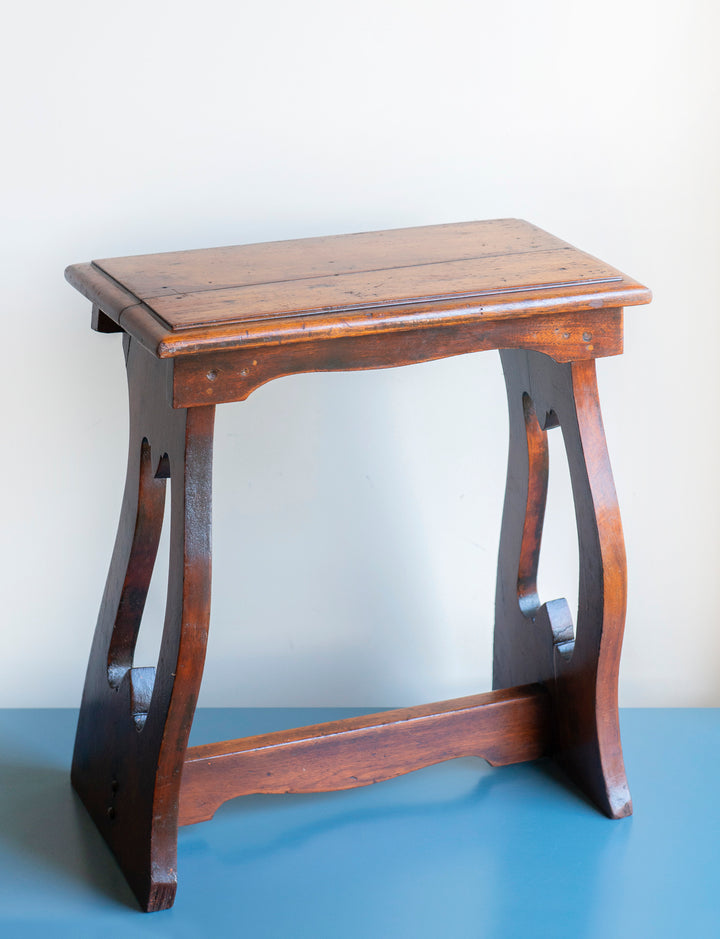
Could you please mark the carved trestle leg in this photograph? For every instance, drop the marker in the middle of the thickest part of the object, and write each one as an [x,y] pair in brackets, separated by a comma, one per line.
[134,722]
[536,642]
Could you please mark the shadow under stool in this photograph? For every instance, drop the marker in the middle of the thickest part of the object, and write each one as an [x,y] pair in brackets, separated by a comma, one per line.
[210,326]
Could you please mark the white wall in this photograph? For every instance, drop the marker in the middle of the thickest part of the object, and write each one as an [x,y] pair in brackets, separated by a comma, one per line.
[357,514]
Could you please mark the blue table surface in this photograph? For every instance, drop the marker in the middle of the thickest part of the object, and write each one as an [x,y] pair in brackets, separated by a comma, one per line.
[456,850]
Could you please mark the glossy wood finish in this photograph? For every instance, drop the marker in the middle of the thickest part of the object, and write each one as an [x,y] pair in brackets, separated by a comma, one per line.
[134,723]
[502,727]
[537,641]
[205,327]
[260,296]
[232,376]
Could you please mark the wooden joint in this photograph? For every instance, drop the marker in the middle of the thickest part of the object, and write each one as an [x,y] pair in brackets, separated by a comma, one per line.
[102,323]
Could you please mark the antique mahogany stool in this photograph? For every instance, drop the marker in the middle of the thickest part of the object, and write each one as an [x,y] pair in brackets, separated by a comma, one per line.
[210,326]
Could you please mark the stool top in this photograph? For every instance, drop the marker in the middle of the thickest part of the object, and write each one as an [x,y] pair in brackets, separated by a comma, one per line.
[186,302]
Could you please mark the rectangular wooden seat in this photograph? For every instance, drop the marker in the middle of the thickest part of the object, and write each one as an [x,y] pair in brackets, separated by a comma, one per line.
[187,302]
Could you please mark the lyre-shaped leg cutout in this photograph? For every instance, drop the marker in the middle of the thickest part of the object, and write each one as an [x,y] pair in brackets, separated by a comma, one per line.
[537,486]
[147,640]
[140,564]
[536,642]
[554,614]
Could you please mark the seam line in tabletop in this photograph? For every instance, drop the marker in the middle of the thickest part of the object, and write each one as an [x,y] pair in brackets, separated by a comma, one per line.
[357,307]
[371,305]
[342,273]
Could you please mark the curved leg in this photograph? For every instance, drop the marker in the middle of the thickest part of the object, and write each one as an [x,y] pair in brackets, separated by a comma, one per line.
[537,642]
[134,722]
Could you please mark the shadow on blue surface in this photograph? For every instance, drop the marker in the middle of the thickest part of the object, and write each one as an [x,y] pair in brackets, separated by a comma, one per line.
[241,810]
[45,828]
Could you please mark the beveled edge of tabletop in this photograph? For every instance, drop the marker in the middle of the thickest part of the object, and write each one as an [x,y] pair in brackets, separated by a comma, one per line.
[135,316]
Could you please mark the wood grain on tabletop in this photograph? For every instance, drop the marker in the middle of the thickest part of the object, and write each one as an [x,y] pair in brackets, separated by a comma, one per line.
[184,302]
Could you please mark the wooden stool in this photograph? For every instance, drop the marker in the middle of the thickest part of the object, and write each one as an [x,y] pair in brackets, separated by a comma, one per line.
[209,326]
